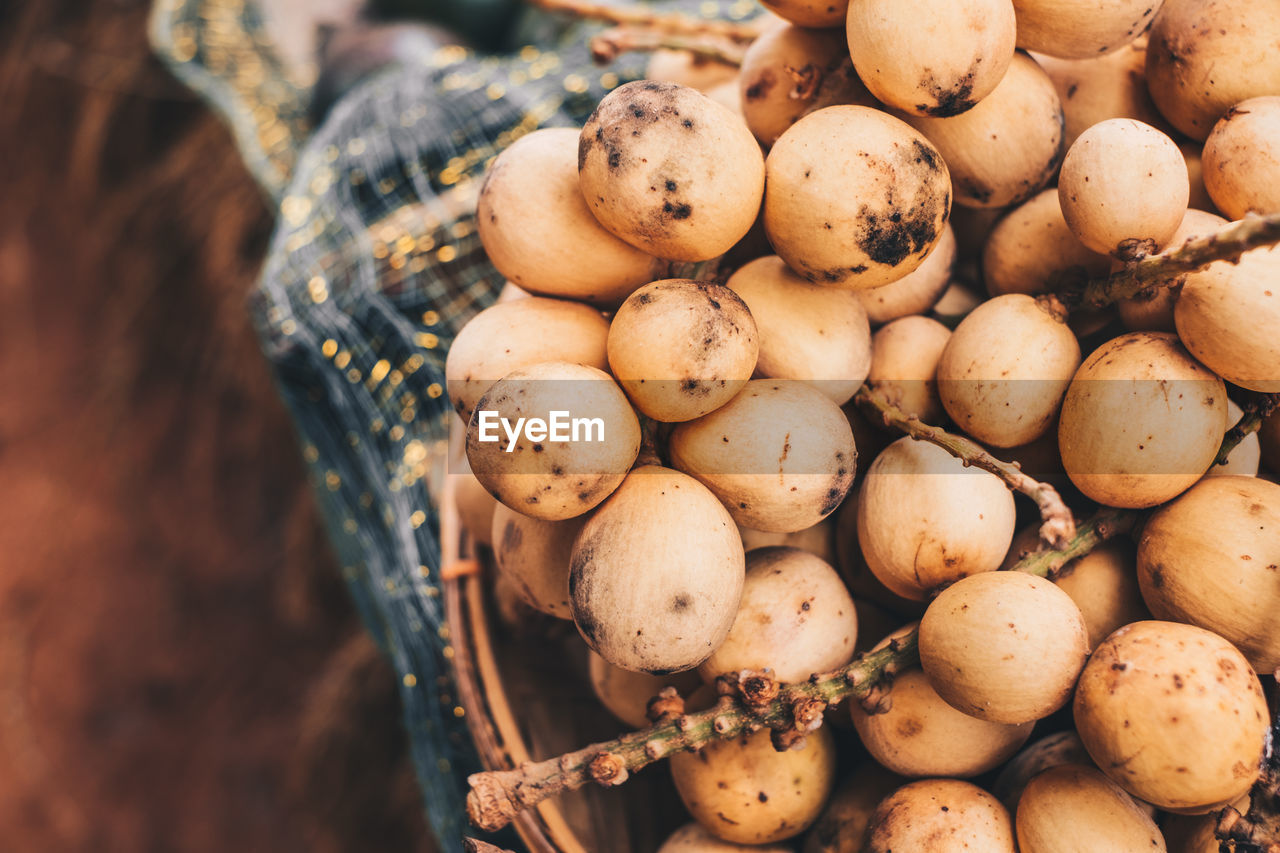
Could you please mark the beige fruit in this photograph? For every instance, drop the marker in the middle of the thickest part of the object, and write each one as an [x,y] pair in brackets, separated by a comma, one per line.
[1095,88]
[681,348]
[475,507]
[670,171]
[791,71]
[858,577]
[931,57]
[544,473]
[509,336]
[1173,714]
[1245,457]
[1141,422]
[916,292]
[855,197]
[843,825]
[626,694]
[940,815]
[656,574]
[1076,809]
[1124,188]
[688,69]
[1050,751]
[534,554]
[1196,833]
[1241,163]
[1212,558]
[817,14]
[921,735]
[807,332]
[796,619]
[1005,368]
[694,838]
[956,303]
[1032,247]
[1152,309]
[1205,56]
[538,232]
[925,520]
[818,540]
[1079,30]
[745,791]
[1003,646]
[904,364]
[1104,585]
[1006,148]
[780,455]
[1192,152]
[1226,315]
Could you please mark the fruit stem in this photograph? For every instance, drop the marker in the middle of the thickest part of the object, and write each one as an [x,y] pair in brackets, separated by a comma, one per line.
[1058,525]
[1259,830]
[749,702]
[1169,267]
[669,22]
[1255,409]
[608,45]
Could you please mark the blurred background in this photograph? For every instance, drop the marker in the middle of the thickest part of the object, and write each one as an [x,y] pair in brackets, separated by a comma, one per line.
[180,666]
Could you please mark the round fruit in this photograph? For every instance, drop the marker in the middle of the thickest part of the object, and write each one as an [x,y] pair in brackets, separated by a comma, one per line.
[656,574]
[1003,646]
[780,455]
[1104,585]
[475,507]
[1141,422]
[809,332]
[816,14]
[940,814]
[688,69]
[681,348]
[1079,30]
[1205,56]
[694,838]
[904,364]
[1050,751]
[843,824]
[854,197]
[1212,558]
[1032,247]
[931,57]
[796,618]
[818,540]
[925,520]
[534,554]
[1095,88]
[1242,158]
[626,694]
[512,335]
[1226,315]
[1124,188]
[670,171]
[1005,369]
[1074,809]
[537,230]
[744,790]
[1007,147]
[1151,310]
[1173,714]
[541,471]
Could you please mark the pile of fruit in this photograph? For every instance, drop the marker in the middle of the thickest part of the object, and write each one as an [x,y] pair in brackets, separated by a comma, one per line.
[728,306]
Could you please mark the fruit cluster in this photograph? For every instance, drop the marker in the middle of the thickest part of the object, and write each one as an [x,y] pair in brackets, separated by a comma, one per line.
[695,280]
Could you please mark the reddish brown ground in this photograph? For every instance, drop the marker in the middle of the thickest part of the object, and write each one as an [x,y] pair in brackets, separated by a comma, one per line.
[179,668]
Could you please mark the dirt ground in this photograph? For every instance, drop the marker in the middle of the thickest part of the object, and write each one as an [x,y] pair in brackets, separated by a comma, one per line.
[180,668]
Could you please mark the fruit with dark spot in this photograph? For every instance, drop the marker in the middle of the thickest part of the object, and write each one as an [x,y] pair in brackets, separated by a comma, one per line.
[925,520]
[1124,188]
[1216,548]
[681,348]
[1007,147]
[867,175]
[796,618]
[795,784]
[1080,30]
[931,57]
[1241,163]
[588,470]
[646,134]
[916,292]
[940,814]
[626,694]
[1139,728]
[789,448]
[659,536]
[1032,247]
[534,555]
[843,823]
[1097,88]
[537,230]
